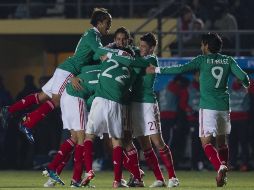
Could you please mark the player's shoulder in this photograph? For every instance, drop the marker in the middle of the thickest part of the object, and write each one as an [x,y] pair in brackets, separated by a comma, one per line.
[151,57]
[227,58]
[91,32]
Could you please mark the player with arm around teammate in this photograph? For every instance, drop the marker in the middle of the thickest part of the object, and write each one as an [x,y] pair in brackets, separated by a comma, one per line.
[214,119]
[145,116]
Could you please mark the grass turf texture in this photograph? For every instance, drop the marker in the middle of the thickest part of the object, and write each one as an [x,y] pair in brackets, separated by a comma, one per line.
[189,180]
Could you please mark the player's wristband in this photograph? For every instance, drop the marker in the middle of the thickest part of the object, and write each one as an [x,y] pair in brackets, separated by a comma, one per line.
[109,55]
[157,70]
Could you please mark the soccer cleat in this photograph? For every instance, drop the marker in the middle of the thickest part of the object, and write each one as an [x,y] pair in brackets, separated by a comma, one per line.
[118,184]
[88,177]
[123,181]
[131,179]
[136,183]
[27,132]
[75,184]
[52,175]
[173,182]
[4,116]
[49,183]
[158,183]
[221,178]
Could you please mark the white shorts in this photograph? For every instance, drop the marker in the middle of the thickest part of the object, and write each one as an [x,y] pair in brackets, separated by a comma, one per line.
[57,82]
[212,122]
[145,119]
[105,117]
[73,110]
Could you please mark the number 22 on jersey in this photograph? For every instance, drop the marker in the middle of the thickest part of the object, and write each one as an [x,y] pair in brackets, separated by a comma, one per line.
[119,78]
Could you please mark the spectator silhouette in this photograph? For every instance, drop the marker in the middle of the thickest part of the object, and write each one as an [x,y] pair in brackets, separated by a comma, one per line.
[221,19]
[185,23]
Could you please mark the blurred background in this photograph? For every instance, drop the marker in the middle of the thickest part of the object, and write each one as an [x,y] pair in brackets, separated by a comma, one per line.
[37,35]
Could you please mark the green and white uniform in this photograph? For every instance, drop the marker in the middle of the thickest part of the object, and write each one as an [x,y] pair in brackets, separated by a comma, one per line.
[107,108]
[214,97]
[89,44]
[144,107]
[73,103]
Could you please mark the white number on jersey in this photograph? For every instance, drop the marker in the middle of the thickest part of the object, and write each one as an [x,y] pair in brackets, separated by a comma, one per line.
[217,76]
[118,78]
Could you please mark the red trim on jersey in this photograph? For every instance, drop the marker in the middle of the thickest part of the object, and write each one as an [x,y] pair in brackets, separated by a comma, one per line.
[81,113]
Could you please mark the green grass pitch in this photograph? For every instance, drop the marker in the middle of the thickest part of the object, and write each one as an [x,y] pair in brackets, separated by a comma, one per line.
[189,180]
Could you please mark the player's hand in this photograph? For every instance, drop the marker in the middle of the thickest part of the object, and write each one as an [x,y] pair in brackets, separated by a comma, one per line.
[75,81]
[150,69]
[104,58]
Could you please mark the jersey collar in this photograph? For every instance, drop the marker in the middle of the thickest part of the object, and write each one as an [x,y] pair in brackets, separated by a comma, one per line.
[97,31]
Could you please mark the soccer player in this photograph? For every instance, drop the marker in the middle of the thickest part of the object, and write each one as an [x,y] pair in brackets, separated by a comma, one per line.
[74,119]
[145,115]
[144,109]
[130,160]
[214,119]
[49,98]
[114,83]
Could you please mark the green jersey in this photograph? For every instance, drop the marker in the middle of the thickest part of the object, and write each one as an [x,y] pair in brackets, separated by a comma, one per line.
[114,81]
[88,45]
[89,76]
[142,89]
[214,74]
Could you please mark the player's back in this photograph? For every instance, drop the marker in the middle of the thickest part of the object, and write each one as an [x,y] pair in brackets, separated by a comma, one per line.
[84,52]
[114,82]
[89,79]
[214,74]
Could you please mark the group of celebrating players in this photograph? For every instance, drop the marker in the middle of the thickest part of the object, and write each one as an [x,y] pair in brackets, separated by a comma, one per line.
[114,84]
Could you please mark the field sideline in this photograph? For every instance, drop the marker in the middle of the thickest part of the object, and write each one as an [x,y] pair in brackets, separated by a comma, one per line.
[189,180]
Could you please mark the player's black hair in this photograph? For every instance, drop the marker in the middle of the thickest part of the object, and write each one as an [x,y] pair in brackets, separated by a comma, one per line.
[99,15]
[122,30]
[213,40]
[149,38]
